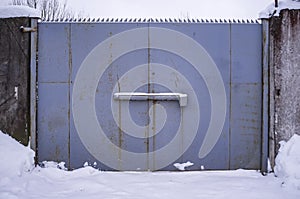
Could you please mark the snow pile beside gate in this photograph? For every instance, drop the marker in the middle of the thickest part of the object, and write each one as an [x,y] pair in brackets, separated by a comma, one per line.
[19,179]
[288,162]
[15,158]
[18,11]
[282,5]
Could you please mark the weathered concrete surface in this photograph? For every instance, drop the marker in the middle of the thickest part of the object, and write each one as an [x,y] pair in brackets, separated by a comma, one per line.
[285,71]
[14,78]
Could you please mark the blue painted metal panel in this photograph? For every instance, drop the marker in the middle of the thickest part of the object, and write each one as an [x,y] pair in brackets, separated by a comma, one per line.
[53,122]
[54,40]
[94,34]
[246,52]
[210,37]
[53,93]
[208,62]
[246,96]
[245,134]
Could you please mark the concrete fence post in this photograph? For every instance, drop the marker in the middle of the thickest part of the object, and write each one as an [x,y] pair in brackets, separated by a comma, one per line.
[15,61]
[284,78]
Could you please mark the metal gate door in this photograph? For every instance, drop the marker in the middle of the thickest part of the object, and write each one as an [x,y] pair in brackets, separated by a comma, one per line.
[143,96]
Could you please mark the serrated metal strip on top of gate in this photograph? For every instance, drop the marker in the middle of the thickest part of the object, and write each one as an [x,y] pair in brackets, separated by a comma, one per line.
[151,20]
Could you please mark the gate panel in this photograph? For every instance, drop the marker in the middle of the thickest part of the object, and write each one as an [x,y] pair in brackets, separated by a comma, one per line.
[53,122]
[54,63]
[197,95]
[210,37]
[53,92]
[114,69]
[246,96]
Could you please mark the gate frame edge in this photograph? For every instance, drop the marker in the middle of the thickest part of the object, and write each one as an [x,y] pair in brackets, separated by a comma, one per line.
[33,86]
[265,97]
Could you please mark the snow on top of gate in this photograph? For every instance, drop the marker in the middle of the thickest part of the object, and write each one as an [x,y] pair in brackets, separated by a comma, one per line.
[282,5]
[18,11]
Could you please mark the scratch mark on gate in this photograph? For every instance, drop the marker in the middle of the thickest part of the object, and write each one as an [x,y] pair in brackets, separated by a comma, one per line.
[148,105]
[120,127]
[230,95]
[69,94]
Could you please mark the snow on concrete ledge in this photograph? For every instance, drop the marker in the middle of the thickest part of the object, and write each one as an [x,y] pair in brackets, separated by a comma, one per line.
[282,5]
[18,11]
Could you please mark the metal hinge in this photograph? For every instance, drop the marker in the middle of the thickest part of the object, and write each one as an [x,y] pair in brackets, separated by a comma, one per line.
[28,29]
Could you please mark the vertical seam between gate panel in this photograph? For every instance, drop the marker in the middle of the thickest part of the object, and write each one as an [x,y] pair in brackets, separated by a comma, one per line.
[69,92]
[148,102]
[120,126]
[230,95]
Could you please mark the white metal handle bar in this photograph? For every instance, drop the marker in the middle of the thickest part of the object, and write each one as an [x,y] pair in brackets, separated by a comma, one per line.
[136,96]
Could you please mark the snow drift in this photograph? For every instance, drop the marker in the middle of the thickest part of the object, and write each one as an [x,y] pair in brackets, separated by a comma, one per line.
[288,162]
[15,158]
[20,179]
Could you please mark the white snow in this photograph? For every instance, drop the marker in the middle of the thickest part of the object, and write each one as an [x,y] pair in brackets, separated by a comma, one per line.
[16,92]
[15,158]
[20,179]
[18,11]
[288,162]
[284,4]
[181,166]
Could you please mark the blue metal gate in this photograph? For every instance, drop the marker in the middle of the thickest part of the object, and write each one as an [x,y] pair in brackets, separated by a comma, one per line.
[146,95]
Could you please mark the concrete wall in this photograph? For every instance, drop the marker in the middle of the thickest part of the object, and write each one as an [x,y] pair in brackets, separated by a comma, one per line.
[284,65]
[15,78]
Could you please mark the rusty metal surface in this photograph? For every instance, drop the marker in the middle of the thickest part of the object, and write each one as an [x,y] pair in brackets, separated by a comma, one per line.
[53,93]
[246,96]
[235,48]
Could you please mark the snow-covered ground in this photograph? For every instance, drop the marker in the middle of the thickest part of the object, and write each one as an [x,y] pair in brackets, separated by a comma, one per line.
[20,179]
